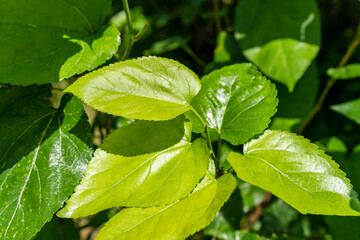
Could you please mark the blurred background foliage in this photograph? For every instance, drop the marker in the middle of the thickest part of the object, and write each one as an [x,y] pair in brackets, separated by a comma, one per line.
[187,31]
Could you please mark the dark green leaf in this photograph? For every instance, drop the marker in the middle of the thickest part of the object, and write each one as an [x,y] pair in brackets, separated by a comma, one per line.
[280,37]
[236,101]
[48,159]
[44,42]
[143,137]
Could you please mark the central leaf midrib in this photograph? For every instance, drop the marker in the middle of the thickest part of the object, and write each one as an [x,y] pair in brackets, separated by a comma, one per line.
[140,96]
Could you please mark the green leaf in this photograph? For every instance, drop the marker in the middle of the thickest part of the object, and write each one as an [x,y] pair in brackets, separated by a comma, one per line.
[174,221]
[148,88]
[347,72]
[281,38]
[350,109]
[46,160]
[143,137]
[235,101]
[40,45]
[147,180]
[296,171]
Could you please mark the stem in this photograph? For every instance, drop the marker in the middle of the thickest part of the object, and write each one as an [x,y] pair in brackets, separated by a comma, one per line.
[204,124]
[217,16]
[354,44]
[130,29]
[219,148]
[197,59]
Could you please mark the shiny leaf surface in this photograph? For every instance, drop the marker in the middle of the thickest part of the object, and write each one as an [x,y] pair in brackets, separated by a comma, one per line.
[39,45]
[349,109]
[174,221]
[285,52]
[236,101]
[147,180]
[296,171]
[148,88]
[48,159]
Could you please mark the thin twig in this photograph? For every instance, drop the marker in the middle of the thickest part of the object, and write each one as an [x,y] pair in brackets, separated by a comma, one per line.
[257,212]
[217,16]
[354,44]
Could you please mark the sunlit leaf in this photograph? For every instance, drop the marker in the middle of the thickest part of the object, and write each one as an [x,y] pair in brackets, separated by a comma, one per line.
[39,45]
[175,221]
[236,101]
[296,171]
[147,180]
[146,88]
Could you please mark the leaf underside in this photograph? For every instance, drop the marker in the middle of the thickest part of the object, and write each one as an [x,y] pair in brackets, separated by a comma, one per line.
[296,171]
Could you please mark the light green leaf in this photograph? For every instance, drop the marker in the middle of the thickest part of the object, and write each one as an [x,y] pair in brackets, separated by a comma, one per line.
[236,101]
[147,180]
[143,137]
[46,158]
[175,221]
[39,45]
[281,37]
[296,171]
[350,109]
[347,72]
[148,88]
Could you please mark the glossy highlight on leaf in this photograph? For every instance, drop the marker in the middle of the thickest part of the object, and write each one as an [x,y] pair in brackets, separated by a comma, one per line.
[296,171]
[236,101]
[175,221]
[47,158]
[44,42]
[148,88]
[147,180]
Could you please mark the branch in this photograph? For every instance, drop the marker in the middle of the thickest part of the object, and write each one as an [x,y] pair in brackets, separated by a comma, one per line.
[353,45]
